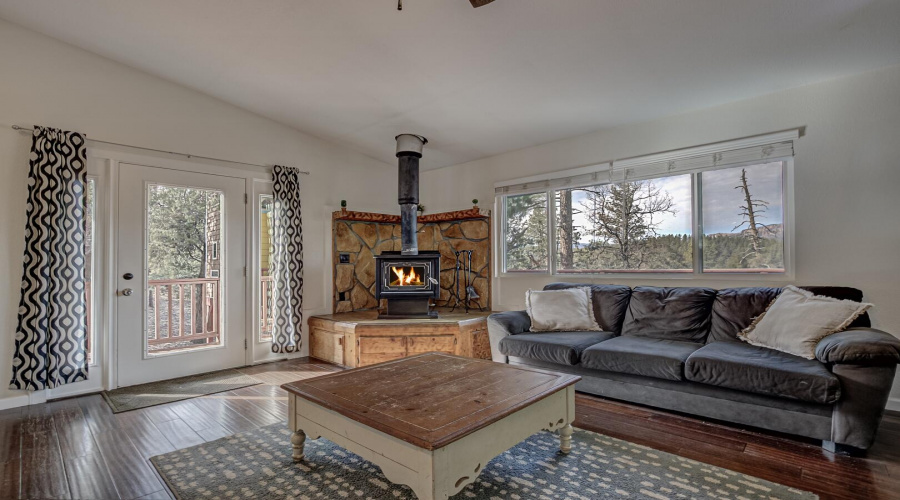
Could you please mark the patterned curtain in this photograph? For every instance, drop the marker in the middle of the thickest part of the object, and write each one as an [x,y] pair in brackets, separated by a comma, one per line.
[287,260]
[51,334]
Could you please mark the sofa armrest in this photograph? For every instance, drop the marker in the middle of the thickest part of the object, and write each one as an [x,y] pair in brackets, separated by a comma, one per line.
[503,324]
[859,346]
[865,361]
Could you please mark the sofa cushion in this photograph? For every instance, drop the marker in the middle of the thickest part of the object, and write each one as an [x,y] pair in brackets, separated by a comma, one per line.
[659,358]
[553,347]
[610,303]
[745,367]
[798,319]
[669,313]
[735,308]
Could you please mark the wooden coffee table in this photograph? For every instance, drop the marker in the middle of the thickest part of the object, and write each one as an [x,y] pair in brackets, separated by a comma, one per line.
[431,421]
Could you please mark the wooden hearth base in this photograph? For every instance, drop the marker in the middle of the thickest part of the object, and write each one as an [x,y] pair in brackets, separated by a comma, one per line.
[360,338]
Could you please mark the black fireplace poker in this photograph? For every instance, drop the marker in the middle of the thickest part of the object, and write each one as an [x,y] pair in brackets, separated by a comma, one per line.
[409,151]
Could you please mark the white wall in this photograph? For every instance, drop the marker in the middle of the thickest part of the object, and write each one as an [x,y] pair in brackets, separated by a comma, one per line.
[50,83]
[847,181]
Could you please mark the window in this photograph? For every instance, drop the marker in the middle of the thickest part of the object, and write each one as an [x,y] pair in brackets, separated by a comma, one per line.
[266,281]
[525,233]
[715,209]
[642,225]
[743,219]
[184,293]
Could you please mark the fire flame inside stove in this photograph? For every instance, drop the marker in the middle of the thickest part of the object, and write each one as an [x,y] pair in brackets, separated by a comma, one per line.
[406,276]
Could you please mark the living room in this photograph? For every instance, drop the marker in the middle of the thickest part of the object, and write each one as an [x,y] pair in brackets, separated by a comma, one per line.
[714,182]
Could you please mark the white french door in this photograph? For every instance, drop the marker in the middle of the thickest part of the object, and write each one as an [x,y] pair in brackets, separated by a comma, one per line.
[180,275]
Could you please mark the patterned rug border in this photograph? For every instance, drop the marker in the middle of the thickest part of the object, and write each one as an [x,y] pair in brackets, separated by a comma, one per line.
[155,461]
[241,385]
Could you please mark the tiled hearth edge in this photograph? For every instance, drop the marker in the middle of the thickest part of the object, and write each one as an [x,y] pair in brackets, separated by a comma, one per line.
[362,235]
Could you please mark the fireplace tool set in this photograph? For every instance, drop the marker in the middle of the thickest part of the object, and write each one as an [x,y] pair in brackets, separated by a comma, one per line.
[464,264]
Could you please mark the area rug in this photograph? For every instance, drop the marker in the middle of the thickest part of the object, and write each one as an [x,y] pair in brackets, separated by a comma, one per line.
[177,389]
[257,464]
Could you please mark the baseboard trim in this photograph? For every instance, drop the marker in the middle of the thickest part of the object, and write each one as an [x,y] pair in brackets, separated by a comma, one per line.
[893,405]
[14,402]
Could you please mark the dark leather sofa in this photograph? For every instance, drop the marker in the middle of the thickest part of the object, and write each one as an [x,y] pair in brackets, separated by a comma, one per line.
[676,348]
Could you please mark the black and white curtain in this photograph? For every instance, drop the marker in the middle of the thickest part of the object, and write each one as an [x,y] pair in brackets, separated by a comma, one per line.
[287,260]
[51,334]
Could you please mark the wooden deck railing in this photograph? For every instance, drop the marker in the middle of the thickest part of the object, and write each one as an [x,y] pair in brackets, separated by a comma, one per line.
[266,307]
[182,311]
[188,309]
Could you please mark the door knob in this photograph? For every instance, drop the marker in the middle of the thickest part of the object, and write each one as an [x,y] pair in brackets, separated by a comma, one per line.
[127,292]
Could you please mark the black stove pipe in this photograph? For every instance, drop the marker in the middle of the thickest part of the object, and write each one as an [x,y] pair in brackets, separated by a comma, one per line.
[409,151]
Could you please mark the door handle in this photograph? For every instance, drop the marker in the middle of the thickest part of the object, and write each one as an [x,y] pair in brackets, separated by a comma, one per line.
[127,292]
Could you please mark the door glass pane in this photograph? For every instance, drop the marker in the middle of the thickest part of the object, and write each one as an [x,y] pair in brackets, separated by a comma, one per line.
[743,219]
[89,218]
[266,318]
[184,263]
[635,226]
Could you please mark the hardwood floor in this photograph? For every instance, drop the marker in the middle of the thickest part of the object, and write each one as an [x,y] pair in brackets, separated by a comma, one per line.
[781,459]
[77,448]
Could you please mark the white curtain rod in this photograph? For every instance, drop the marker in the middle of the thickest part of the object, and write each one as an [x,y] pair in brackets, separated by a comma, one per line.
[27,129]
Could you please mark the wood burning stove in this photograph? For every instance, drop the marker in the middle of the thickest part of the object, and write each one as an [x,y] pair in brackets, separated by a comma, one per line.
[408,283]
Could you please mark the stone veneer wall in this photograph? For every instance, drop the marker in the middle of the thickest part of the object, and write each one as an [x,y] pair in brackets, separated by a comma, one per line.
[364,235]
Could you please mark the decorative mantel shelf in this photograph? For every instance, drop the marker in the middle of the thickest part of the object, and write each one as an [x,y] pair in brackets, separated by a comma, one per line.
[472,213]
[357,237]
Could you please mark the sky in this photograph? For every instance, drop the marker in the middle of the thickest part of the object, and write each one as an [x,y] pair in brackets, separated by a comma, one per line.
[721,202]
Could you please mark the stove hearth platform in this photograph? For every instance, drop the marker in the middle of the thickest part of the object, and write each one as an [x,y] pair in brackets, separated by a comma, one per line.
[360,338]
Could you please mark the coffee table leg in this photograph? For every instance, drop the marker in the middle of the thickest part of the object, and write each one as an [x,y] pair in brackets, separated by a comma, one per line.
[297,440]
[565,438]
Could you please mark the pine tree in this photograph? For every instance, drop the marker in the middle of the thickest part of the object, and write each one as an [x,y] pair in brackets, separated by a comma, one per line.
[624,217]
[177,232]
[526,232]
[565,229]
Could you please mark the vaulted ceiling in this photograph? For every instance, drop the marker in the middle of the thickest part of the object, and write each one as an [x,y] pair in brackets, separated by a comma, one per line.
[476,82]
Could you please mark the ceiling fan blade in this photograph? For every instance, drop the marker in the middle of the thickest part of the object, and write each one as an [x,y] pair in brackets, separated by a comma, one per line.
[479,3]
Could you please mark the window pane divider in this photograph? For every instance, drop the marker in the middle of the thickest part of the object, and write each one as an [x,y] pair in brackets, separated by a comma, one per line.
[551,231]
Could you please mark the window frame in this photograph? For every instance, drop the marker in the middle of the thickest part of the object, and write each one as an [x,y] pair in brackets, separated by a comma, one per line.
[94,297]
[696,229]
[502,221]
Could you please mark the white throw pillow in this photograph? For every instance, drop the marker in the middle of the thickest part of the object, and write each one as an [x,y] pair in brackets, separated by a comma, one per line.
[798,319]
[569,310]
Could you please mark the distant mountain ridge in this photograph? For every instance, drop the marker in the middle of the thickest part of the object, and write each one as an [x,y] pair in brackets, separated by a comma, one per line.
[772,232]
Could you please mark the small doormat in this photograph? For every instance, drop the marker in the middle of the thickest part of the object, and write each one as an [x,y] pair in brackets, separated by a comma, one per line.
[176,389]
[258,464]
